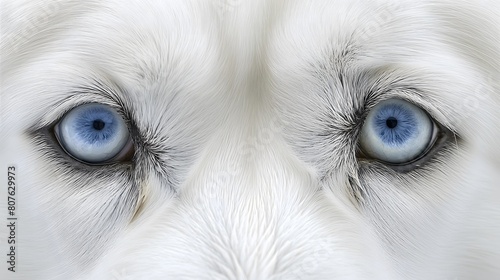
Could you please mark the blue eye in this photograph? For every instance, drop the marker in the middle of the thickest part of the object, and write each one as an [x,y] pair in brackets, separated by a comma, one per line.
[397,132]
[94,133]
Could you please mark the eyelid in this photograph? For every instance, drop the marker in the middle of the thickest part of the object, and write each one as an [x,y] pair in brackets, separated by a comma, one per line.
[92,89]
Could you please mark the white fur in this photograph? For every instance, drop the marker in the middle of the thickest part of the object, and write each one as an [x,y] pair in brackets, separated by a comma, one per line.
[245,166]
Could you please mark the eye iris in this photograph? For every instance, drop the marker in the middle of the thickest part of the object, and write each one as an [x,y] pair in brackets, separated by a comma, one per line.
[395,125]
[96,125]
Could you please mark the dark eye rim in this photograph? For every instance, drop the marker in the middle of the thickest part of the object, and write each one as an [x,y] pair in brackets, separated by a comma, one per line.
[441,136]
[124,156]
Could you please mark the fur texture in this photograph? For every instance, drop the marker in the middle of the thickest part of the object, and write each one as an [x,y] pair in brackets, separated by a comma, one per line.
[245,117]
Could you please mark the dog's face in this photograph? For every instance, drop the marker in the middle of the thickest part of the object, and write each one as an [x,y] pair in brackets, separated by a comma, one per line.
[251,139]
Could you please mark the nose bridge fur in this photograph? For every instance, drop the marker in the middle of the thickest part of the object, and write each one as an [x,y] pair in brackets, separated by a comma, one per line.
[246,189]
[246,218]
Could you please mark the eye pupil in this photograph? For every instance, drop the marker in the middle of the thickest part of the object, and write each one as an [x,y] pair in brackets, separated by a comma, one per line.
[98,124]
[391,122]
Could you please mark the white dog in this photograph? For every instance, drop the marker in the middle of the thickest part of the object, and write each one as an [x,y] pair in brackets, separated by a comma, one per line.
[260,139]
